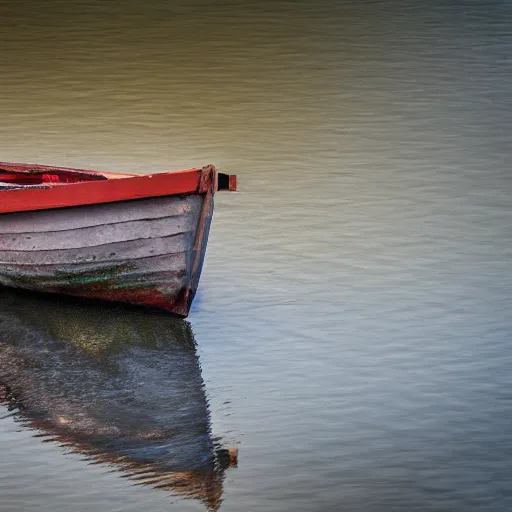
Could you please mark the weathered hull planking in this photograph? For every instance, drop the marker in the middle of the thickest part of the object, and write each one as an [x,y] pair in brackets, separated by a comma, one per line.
[142,251]
[139,256]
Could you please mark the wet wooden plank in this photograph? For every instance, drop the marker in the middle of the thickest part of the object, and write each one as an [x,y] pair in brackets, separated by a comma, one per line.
[174,263]
[97,215]
[113,252]
[97,235]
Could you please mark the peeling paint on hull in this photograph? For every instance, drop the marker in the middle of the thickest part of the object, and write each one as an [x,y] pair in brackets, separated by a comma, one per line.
[139,254]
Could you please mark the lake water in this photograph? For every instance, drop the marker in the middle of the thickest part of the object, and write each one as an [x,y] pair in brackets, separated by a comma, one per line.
[354,318]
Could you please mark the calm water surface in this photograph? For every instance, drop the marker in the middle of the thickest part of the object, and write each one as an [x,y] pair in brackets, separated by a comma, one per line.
[353,324]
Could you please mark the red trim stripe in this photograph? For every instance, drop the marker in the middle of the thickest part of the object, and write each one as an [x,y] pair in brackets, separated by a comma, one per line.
[104,191]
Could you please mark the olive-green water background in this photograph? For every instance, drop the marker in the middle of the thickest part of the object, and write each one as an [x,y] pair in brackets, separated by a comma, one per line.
[354,316]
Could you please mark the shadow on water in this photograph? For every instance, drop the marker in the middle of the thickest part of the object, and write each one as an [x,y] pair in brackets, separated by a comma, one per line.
[122,387]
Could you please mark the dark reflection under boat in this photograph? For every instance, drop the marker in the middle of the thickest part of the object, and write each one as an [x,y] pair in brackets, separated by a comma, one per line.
[120,386]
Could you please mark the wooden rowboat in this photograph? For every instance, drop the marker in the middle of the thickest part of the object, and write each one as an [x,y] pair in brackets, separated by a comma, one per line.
[137,239]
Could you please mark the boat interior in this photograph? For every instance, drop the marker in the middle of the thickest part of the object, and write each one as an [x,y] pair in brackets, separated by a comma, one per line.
[37,177]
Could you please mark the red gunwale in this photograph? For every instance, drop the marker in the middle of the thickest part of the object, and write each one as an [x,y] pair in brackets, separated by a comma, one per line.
[116,187]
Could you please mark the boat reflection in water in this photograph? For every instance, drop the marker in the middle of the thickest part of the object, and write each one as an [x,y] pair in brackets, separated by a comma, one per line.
[123,387]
